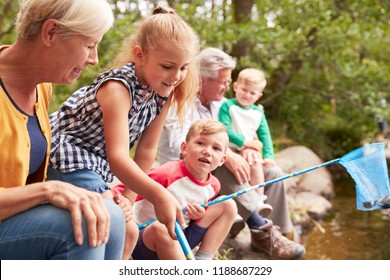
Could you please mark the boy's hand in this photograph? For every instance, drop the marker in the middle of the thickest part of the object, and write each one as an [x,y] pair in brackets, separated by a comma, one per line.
[267,162]
[195,211]
[251,156]
[253,144]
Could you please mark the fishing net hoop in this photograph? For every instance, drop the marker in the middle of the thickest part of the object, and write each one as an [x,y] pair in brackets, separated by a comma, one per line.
[368,168]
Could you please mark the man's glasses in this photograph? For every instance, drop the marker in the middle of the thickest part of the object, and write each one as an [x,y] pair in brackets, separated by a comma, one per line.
[222,83]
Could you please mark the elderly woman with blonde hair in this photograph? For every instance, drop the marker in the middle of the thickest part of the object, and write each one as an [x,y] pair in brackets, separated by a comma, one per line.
[38,219]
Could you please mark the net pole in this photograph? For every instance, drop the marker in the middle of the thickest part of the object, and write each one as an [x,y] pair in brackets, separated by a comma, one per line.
[183,242]
[241,192]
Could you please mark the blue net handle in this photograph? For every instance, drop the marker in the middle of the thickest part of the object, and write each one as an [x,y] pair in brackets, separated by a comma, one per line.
[368,168]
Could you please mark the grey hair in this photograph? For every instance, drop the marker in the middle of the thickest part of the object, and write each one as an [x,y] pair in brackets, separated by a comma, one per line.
[85,17]
[211,60]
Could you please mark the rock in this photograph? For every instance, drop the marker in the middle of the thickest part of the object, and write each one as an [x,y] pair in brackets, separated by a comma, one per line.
[312,203]
[298,158]
[308,193]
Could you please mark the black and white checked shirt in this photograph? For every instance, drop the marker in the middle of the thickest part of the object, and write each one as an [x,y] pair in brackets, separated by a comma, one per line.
[77,127]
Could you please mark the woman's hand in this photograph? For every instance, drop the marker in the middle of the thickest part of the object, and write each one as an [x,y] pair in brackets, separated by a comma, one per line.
[80,201]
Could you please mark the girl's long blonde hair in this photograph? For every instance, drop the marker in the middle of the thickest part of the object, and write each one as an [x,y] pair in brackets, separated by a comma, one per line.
[164,25]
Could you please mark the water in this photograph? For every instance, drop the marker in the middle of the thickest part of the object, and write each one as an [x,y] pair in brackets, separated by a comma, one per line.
[350,234]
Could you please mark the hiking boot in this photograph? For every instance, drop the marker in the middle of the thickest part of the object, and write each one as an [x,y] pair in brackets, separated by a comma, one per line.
[292,235]
[269,240]
[237,226]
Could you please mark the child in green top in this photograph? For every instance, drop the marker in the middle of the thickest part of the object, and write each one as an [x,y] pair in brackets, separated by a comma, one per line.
[248,129]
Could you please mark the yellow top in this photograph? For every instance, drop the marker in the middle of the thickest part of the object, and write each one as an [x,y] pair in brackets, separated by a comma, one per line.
[15,140]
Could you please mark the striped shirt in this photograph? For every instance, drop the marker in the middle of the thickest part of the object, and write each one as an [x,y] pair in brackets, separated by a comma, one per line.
[77,127]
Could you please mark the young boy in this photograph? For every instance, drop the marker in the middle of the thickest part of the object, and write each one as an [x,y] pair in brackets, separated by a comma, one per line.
[191,182]
[248,128]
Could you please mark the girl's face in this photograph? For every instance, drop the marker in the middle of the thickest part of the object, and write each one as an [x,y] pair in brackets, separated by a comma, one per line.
[204,153]
[162,69]
[74,55]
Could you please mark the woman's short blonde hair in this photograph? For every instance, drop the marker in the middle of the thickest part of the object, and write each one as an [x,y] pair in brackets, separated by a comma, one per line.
[84,17]
[164,25]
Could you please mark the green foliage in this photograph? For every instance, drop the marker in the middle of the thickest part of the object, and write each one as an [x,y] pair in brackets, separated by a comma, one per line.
[329,54]
[224,255]
[8,11]
[340,137]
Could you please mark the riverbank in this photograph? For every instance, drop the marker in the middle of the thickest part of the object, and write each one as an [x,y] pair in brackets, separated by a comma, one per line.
[323,209]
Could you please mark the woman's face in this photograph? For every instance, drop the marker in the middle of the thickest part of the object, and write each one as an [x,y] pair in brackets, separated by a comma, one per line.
[73,55]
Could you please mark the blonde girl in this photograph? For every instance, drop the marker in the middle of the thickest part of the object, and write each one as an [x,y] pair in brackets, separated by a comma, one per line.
[97,126]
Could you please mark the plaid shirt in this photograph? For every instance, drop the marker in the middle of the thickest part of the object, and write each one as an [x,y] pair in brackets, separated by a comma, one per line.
[77,127]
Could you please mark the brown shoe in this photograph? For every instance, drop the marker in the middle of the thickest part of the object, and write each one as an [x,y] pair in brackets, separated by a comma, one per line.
[269,240]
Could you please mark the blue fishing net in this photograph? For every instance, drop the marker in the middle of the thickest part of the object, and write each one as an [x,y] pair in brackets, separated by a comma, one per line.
[368,168]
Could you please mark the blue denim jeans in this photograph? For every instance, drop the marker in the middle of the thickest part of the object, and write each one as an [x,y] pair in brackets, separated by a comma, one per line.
[46,232]
[83,178]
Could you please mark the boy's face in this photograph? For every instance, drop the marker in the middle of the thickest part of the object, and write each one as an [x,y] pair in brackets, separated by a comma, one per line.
[247,93]
[204,153]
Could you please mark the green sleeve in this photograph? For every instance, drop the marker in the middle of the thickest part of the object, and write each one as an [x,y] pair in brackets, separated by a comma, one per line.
[224,117]
[264,135]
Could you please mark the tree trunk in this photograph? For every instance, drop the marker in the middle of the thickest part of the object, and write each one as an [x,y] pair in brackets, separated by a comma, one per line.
[242,12]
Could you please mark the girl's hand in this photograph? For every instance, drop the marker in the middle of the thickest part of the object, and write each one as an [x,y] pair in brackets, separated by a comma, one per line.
[195,211]
[126,205]
[168,210]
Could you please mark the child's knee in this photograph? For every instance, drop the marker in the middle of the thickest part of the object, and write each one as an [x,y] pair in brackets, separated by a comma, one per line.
[230,208]
[132,230]
[160,233]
